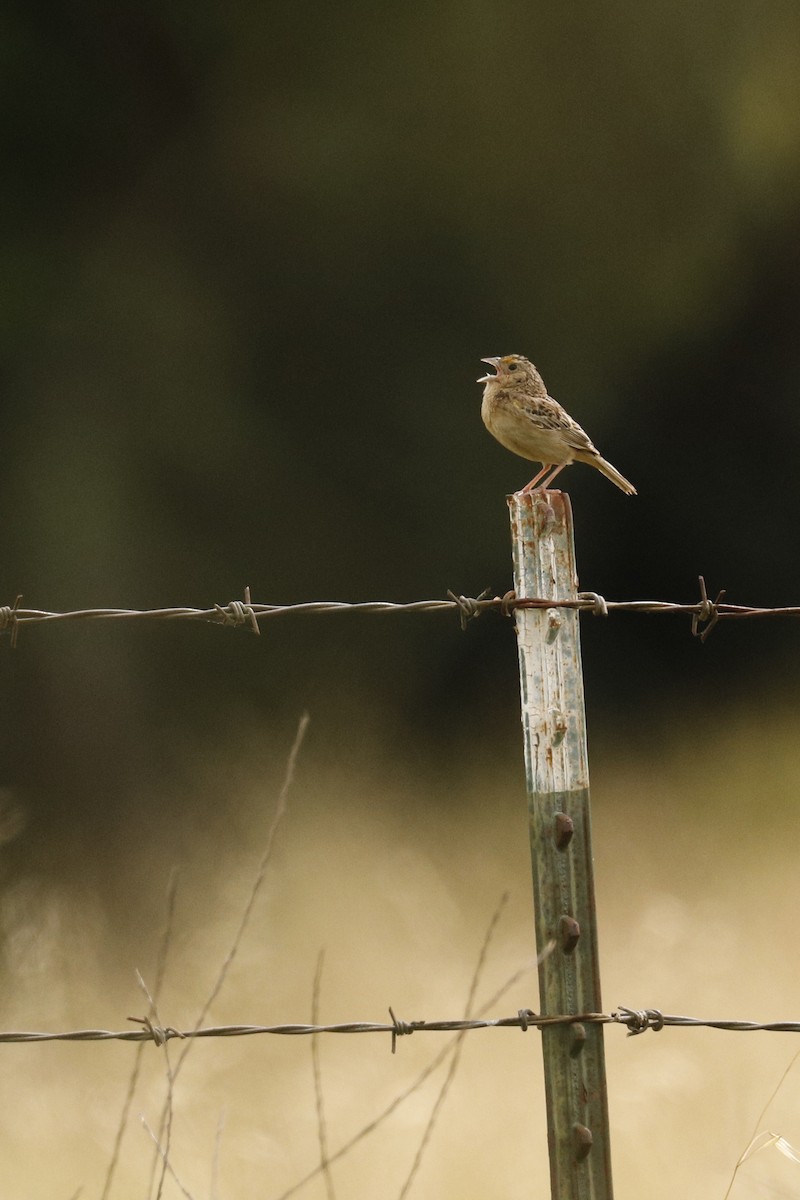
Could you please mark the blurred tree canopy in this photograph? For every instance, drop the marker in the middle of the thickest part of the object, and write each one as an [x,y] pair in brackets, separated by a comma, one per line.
[252,256]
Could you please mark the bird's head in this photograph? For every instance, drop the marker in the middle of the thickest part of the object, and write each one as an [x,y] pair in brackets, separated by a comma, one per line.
[512,369]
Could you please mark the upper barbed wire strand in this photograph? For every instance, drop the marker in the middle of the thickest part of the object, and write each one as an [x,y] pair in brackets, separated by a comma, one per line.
[705,613]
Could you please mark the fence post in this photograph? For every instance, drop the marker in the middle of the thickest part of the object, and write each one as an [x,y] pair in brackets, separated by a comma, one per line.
[554,729]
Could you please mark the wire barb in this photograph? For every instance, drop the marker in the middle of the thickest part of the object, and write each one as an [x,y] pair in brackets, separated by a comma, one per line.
[400,1029]
[238,612]
[156,1033]
[639,1020]
[469,608]
[8,619]
[707,612]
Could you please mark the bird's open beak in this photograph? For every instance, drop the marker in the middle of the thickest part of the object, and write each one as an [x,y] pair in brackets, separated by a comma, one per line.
[493,362]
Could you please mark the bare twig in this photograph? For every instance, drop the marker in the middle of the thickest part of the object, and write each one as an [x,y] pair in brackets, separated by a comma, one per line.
[747,1153]
[413,1087]
[214,1190]
[161,962]
[459,1046]
[321,1126]
[277,817]
[167,1164]
[164,1035]
[168,1103]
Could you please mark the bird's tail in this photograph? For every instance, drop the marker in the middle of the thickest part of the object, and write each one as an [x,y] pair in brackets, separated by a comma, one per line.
[613,474]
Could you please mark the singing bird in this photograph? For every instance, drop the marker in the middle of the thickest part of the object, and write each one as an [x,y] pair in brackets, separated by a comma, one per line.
[517,410]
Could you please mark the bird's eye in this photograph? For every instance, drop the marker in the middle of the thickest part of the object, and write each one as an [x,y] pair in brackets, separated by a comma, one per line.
[513,366]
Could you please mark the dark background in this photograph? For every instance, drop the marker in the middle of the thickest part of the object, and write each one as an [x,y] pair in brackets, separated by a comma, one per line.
[252,256]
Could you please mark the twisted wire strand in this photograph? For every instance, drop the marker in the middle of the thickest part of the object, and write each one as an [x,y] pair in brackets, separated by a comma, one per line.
[705,614]
[636,1021]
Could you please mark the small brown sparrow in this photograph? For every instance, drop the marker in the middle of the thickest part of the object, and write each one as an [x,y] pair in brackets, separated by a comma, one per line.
[517,410]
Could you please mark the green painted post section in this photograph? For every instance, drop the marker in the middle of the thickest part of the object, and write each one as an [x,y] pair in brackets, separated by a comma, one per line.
[554,728]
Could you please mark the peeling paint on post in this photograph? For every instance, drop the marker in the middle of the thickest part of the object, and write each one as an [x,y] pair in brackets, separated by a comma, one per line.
[554,729]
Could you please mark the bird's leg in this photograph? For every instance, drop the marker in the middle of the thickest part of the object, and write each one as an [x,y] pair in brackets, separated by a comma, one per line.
[545,484]
[530,486]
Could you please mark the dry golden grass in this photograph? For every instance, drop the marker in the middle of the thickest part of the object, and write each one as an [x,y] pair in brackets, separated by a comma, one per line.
[395,870]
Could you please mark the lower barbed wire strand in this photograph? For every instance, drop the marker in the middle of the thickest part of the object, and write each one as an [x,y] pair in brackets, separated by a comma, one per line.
[635,1020]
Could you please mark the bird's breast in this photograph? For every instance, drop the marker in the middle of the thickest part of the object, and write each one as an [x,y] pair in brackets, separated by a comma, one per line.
[515,429]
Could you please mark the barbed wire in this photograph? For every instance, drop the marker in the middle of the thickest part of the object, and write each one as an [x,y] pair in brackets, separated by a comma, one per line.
[705,613]
[635,1020]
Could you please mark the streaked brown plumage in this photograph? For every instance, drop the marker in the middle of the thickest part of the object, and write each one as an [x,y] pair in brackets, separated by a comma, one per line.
[517,410]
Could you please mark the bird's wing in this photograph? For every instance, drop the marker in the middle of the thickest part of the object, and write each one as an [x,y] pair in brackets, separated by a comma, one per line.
[578,439]
[547,413]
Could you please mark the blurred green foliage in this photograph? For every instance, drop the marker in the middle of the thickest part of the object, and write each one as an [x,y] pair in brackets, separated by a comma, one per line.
[252,255]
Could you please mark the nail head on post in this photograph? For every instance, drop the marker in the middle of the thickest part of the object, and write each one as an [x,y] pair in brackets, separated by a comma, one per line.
[563,830]
[582,1140]
[570,934]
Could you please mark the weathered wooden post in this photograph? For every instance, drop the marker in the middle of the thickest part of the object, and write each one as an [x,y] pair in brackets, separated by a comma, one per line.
[554,728]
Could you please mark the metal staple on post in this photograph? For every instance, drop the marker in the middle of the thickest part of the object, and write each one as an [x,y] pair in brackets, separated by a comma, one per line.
[554,730]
